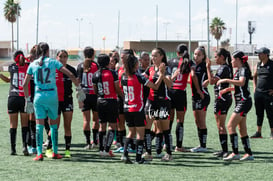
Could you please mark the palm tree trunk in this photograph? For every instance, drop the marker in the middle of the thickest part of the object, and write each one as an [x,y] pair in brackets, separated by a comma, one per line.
[217,44]
[12,39]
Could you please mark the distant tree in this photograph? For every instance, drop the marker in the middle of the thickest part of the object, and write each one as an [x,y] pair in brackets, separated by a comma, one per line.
[10,13]
[225,43]
[217,28]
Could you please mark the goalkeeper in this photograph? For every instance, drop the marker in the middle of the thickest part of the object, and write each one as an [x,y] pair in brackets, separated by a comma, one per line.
[45,101]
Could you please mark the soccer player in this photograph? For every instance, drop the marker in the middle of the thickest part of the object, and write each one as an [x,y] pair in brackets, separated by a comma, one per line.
[64,88]
[132,84]
[243,104]
[45,101]
[157,107]
[106,86]
[85,72]
[222,103]
[31,119]
[180,68]
[200,97]
[114,59]
[16,100]
[121,131]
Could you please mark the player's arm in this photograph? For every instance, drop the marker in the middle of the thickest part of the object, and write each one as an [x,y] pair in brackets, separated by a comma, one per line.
[70,75]
[4,78]
[25,85]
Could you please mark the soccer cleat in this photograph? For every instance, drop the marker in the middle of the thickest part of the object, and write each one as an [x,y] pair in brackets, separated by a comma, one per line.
[67,154]
[94,146]
[13,152]
[107,154]
[199,149]
[247,157]
[146,156]
[88,147]
[142,161]
[220,154]
[182,149]
[131,150]
[38,158]
[25,151]
[49,153]
[30,149]
[231,157]
[126,159]
[119,150]
[56,156]
[160,155]
[256,135]
[167,157]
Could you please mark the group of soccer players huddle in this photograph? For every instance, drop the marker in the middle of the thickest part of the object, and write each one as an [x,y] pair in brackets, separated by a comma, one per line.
[144,94]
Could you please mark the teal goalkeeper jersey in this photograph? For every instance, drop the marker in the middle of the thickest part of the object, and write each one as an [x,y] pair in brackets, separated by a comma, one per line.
[45,75]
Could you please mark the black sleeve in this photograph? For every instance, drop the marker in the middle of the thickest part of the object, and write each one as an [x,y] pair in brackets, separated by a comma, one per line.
[72,70]
[95,78]
[115,75]
[142,79]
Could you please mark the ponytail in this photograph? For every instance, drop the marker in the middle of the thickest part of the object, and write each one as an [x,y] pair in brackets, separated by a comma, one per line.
[184,67]
[130,62]
[227,58]
[88,56]
[42,50]
[244,59]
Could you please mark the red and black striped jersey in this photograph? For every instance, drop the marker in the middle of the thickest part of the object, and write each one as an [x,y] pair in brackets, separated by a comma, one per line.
[64,83]
[105,80]
[180,83]
[133,92]
[162,93]
[17,76]
[86,77]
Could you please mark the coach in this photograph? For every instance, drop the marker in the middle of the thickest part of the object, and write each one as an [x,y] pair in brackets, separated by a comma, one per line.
[263,90]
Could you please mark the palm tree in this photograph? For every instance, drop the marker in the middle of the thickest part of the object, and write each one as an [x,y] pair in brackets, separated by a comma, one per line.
[217,27]
[10,12]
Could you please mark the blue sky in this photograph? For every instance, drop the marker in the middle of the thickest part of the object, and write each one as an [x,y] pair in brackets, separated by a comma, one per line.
[58,25]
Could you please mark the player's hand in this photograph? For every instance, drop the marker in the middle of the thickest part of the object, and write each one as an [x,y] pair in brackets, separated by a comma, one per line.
[29,106]
[80,94]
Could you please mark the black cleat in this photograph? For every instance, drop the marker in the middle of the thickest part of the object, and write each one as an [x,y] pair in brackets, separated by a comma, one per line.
[257,135]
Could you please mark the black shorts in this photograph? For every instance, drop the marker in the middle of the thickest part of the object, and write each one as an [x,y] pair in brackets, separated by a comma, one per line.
[178,99]
[16,104]
[90,103]
[201,104]
[120,105]
[222,105]
[242,106]
[135,119]
[159,109]
[107,110]
[66,105]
